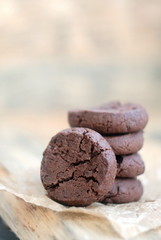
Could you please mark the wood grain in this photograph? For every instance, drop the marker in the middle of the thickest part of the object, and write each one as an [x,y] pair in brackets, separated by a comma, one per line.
[29,221]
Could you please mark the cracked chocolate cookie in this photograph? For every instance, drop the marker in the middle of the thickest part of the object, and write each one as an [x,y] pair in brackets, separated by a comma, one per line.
[78,167]
[111,118]
[124,191]
[126,143]
[130,166]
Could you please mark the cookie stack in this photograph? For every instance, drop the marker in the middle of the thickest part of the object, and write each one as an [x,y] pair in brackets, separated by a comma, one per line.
[96,159]
[122,126]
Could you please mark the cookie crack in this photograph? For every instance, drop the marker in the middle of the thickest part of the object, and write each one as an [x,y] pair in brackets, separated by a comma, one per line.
[55,186]
[60,181]
[81,142]
[95,154]
[79,163]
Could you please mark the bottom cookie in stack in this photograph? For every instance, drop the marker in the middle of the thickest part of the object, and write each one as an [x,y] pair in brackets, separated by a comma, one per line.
[124,190]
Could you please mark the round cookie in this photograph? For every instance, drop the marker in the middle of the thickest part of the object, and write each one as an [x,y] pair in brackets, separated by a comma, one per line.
[124,191]
[129,166]
[78,167]
[111,118]
[126,143]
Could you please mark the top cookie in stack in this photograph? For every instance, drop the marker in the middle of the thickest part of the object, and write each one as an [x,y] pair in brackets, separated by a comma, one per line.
[112,118]
[122,126]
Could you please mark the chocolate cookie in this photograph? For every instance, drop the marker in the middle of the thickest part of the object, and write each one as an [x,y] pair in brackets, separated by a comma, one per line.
[111,118]
[129,166]
[124,191]
[78,167]
[126,143]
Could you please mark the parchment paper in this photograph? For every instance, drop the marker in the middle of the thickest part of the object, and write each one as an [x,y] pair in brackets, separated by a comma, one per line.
[19,175]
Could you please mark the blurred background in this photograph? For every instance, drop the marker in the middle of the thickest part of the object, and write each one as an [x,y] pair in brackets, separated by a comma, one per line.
[63,54]
[57,55]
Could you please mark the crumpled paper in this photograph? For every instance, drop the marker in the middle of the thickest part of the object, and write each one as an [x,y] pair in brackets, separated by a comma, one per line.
[20,176]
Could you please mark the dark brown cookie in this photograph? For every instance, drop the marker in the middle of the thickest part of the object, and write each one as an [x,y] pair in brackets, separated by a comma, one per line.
[124,191]
[130,166]
[126,143]
[78,167]
[111,118]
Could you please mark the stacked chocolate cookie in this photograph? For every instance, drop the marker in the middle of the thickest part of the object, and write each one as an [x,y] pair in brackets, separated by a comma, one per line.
[96,159]
[78,167]
[122,126]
